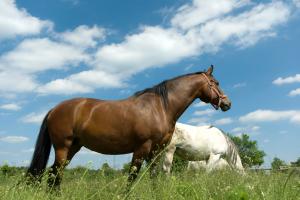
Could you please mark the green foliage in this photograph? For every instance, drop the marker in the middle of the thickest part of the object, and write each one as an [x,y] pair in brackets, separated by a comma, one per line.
[179,164]
[296,163]
[277,163]
[8,170]
[250,154]
[126,167]
[106,170]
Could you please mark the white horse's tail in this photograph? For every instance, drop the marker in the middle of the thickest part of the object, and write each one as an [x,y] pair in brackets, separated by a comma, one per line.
[232,155]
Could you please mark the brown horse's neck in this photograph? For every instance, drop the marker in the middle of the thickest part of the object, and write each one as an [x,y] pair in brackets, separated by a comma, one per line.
[184,90]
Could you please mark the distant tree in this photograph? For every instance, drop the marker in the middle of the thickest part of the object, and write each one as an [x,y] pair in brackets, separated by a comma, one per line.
[107,170]
[277,163]
[250,154]
[126,167]
[8,170]
[78,170]
[296,163]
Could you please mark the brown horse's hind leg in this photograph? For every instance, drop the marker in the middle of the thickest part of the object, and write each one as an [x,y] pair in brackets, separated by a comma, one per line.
[62,158]
[139,155]
[55,172]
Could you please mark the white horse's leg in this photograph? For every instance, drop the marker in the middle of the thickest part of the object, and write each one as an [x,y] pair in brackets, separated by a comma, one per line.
[196,165]
[222,164]
[212,161]
[167,164]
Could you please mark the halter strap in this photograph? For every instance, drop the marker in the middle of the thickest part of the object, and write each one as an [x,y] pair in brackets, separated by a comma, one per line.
[220,96]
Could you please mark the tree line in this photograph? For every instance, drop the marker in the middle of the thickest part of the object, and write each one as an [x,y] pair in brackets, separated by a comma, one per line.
[251,156]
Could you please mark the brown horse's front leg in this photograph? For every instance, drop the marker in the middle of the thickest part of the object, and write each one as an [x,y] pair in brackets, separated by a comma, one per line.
[134,169]
[156,155]
[154,161]
[139,156]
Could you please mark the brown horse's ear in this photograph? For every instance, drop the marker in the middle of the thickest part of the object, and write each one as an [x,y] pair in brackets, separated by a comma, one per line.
[210,70]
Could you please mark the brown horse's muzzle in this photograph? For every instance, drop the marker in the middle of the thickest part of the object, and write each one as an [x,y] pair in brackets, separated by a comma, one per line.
[225,104]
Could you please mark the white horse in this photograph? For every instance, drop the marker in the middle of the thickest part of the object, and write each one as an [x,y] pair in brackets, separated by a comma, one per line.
[204,143]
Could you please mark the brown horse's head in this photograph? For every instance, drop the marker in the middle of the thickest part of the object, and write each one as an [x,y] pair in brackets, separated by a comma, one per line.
[212,93]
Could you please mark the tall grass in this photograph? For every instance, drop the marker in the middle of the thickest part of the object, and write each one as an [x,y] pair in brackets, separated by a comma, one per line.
[91,184]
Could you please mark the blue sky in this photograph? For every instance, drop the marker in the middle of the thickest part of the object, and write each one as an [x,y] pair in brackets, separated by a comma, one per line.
[55,50]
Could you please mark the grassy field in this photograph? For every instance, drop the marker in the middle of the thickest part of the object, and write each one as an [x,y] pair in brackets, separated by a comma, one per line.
[96,184]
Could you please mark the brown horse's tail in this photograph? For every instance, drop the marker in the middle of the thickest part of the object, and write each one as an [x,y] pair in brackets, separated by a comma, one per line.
[41,152]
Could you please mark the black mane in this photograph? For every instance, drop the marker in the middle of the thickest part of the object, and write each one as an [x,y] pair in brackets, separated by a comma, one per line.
[162,88]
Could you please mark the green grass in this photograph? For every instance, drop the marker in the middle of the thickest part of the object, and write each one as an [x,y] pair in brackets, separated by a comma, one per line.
[85,184]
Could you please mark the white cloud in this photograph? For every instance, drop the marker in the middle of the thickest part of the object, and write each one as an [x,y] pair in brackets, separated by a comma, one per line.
[237,129]
[271,115]
[223,121]
[37,55]
[246,28]
[84,36]
[253,130]
[239,85]
[202,117]
[152,47]
[33,56]
[83,82]
[9,85]
[199,12]
[137,51]
[15,21]
[199,121]
[10,106]
[73,2]
[295,92]
[297,3]
[287,80]
[35,118]
[200,104]
[208,112]
[14,139]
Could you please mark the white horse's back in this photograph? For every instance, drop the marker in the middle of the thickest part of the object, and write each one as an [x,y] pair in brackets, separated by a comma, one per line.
[203,143]
[199,142]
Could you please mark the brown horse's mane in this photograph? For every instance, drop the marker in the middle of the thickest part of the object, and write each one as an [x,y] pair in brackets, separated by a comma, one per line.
[162,88]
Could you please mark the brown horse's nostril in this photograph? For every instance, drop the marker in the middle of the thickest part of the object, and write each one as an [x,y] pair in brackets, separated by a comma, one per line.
[225,105]
[229,104]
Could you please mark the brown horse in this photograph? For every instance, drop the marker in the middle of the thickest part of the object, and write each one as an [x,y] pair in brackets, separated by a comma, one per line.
[141,124]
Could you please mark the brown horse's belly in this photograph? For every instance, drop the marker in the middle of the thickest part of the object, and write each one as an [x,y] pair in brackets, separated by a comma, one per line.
[107,143]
